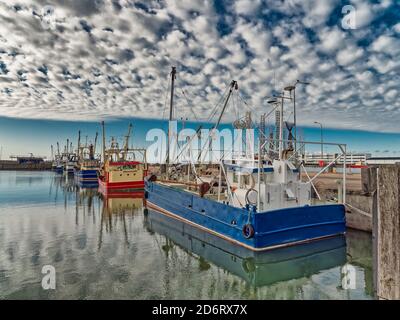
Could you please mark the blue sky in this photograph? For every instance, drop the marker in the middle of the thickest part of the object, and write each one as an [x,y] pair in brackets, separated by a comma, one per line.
[92,60]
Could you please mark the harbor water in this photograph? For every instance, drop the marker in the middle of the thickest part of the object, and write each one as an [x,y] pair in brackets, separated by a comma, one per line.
[114,248]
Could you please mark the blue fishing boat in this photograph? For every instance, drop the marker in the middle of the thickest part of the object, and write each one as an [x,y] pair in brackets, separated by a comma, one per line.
[87,167]
[57,165]
[68,159]
[255,201]
[251,228]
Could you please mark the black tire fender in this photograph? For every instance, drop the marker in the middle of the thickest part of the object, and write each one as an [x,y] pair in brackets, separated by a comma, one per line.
[248,231]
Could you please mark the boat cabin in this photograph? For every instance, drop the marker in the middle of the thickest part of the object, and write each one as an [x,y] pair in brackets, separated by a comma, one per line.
[279,184]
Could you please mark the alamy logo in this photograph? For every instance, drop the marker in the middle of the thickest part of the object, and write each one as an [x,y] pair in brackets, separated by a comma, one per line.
[201,146]
[49,280]
[349,20]
[348,277]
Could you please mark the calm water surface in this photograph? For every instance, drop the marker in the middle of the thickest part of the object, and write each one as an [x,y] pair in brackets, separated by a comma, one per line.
[115,249]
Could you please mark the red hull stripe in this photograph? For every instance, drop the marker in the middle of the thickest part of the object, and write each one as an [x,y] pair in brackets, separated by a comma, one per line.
[128,163]
[122,185]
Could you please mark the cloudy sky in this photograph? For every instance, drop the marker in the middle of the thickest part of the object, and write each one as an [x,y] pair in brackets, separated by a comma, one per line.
[101,59]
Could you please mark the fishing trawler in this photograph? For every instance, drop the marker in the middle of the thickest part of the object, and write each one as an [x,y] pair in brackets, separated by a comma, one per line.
[57,165]
[87,168]
[68,159]
[121,169]
[255,202]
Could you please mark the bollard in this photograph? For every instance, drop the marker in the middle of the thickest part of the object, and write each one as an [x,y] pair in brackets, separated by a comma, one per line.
[386,233]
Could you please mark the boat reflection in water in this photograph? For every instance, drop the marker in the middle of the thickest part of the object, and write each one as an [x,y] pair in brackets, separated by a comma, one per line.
[256,268]
[117,204]
[122,202]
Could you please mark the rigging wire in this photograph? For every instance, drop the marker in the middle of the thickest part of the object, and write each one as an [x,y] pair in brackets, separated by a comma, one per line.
[215,109]
[189,105]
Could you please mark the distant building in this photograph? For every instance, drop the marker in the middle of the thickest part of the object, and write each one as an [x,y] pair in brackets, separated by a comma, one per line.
[351,158]
[28,159]
[383,160]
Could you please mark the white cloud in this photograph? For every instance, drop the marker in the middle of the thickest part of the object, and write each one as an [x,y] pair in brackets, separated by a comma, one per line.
[119,65]
[348,55]
[387,44]
[247,7]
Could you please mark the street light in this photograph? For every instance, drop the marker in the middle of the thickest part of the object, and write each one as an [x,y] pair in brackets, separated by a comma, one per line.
[322,140]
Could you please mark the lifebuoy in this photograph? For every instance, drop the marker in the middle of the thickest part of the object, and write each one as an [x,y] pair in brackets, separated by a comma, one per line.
[248,231]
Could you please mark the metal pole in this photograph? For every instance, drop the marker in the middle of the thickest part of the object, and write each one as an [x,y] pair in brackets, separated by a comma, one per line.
[259,175]
[171,108]
[322,139]
[344,174]
[322,143]
[281,130]
[171,103]
[294,119]
[219,181]
[79,143]
[232,86]
[104,142]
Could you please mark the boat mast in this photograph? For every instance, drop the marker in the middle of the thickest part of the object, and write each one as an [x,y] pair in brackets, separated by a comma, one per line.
[104,141]
[171,108]
[79,143]
[281,130]
[52,153]
[233,85]
[126,147]
[95,143]
[58,148]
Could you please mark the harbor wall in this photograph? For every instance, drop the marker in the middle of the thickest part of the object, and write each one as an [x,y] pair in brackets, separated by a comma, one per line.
[359,210]
[14,165]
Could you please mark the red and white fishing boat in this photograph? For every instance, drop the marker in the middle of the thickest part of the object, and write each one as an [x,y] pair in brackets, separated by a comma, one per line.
[120,169]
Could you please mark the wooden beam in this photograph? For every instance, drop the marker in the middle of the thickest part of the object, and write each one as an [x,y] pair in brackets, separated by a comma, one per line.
[386,232]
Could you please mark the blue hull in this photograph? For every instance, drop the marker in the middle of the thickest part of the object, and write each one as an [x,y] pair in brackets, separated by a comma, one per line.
[59,170]
[89,176]
[272,229]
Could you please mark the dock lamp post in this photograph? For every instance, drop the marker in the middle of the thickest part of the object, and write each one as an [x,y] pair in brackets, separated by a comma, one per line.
[322,140]
[290,89]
